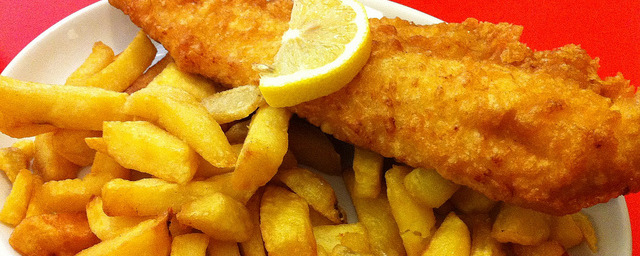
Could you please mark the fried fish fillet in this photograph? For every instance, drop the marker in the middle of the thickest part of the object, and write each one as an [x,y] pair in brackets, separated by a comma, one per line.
[537,129]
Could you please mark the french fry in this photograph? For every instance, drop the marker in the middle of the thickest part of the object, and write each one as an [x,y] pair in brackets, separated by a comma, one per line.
[100,57]
[285,224]
[451,238]
[263,150]
[219,216]
[521,226]
[312,148]
[317,219]
[566,231]
[12,160]
[313,188]
[53,234]
[126,67]
[375,214]
[106,227]
[143,80]
[97,144]
[183,116]
[36,108]
[415,221]
[194,244]
[238,132]
[428,187]
[176,228]
[254,246]
[330,236]
[367,166]
[150,237]
[15,207]
[222,248]
[233,104]
[206,169]
[48,163]
[546,248]
[144,147]
[197,86]
[468,200]
[70,144]
[587,230]
[26,146]
[482,243]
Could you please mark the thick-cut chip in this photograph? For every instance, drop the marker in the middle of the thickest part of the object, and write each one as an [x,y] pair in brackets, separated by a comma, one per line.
[238,132]
[521,226]
[415,221]
[566,231]
[223,248]
[35,108]
[451,238]
[547,248]
[143,80]
[263,150]
[313,148]
[206,169]
[183,116]
[233,104]
[254,246]
[27,147]
[219,216]
[313,188]
[15,207]
[194,244]
[144,147]
[482,243]
[317,219]
[285,224]
[100,57]
[106,227]
[176,228]
[150,237]
[70,144]
[48,163]
[198,86]
[468,200]
[127,66]
[12,160]
[219,183]
[53,234]
[330,236]
[367,166]
[428,187]
[97,144]
[375,214]
[587,230]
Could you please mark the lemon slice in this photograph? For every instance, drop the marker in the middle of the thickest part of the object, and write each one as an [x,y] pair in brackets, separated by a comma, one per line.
[327,44]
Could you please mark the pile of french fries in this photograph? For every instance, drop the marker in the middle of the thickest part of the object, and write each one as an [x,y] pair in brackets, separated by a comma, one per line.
[174,164]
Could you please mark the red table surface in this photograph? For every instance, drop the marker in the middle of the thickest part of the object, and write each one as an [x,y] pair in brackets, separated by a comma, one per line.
[609,30]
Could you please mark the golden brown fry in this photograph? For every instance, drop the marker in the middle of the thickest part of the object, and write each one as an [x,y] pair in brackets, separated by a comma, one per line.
[15,206]
[254,246]
[97,144]
[195,85]
[367,166]
[470,201]
[238,132]
[219,216]
[53,234]
[313,148]
[41,107]
[375,214]
[12,160]
[482,243]
[233,104]
[70,144]
[521,226]
[194,244]
[330,236]
[176,228]
[263,149]
[126,67]
[26,146]
[144,147]
[107,227]
[428,187]
[285,224]
[415,221]
[547,248]
[451,238]
[150,237]
[223,248]
[313,188]
[143,80]
[100,57]
[565,231]
[587,230]
[48,163]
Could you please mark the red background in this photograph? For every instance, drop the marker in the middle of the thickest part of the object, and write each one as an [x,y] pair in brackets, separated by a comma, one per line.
[609,30]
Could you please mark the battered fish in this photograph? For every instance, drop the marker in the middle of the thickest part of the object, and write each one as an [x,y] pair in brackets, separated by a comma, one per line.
[537,129]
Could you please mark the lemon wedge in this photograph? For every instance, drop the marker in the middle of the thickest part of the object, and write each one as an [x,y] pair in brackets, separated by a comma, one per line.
[327,44]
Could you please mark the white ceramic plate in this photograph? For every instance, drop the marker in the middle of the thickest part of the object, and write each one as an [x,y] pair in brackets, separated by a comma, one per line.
[53,55]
